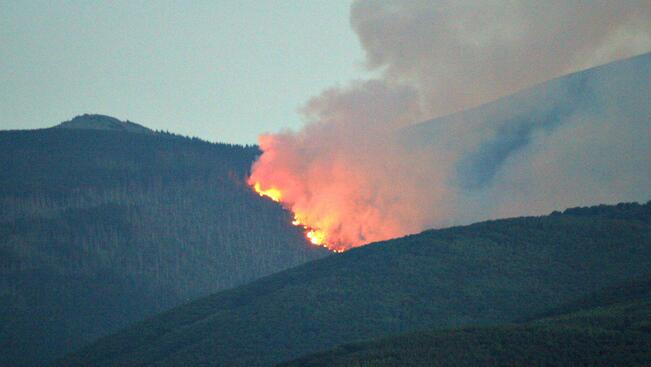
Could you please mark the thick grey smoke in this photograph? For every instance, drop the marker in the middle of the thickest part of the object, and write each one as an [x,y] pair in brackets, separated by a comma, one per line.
[460,54]
[363,168]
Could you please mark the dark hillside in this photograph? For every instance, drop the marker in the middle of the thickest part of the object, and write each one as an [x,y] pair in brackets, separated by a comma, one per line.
[615,336]
[611,327]
[479,275]
[637,289]
[102,228]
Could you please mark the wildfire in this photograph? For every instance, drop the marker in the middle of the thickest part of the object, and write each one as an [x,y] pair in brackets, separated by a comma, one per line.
[314,235]
[272,193]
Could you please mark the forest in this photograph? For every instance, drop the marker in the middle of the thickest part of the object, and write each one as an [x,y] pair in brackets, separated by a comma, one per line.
[490,275]
[611,327]
[101,228]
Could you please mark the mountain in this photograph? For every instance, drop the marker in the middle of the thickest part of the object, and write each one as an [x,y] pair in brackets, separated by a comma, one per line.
[481,275]
[577,140]
[611,327]
[102,122]
[101,227]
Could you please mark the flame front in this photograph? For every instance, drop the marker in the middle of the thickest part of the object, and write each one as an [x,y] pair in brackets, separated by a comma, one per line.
[314,235]
[272,193]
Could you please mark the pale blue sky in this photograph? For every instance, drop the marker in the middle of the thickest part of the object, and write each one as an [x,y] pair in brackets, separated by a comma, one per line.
[219,70]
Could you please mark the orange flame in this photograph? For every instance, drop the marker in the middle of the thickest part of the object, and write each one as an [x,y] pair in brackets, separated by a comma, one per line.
[314,235]
[272,193]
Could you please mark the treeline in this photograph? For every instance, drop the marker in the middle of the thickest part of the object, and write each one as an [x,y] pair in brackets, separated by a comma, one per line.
[101,228]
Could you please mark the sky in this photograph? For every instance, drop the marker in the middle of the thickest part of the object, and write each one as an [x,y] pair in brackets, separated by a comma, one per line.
[220,70]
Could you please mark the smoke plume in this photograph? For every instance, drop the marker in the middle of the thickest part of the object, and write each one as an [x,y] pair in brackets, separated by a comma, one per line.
[460,54]
[363,169]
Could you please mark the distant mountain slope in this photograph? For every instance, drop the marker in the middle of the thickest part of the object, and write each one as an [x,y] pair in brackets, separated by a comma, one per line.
[611,327]
[102,122]
[100,228]
[483,274]
[577,140]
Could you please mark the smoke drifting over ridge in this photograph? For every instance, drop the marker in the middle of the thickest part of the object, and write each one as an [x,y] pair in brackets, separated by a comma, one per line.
[361,172]
[460,54]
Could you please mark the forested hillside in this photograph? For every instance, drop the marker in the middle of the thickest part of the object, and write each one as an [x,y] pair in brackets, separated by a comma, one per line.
[611,327]
[480,275]
[101,228]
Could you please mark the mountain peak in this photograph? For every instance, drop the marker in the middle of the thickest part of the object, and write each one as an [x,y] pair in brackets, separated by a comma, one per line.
[103,122]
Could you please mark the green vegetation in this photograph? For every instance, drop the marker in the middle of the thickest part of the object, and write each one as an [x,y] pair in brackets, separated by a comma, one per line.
[101,228]
[481,275]
[607,328]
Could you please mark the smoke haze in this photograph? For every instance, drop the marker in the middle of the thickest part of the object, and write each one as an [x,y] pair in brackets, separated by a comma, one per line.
[362,171]
[460,54]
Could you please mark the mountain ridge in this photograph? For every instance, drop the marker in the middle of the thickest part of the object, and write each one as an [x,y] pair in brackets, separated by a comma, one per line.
[483,274]
[102,228]
[575,140]
[103,122]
